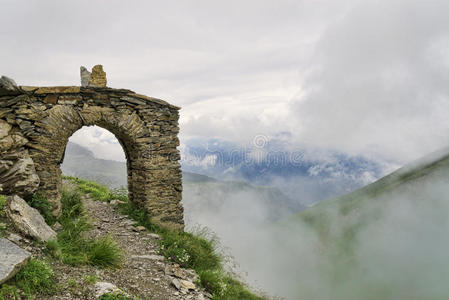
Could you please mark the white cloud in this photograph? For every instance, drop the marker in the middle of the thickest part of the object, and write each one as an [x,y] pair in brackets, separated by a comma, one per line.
[100,141]
[360,76]
[379,85]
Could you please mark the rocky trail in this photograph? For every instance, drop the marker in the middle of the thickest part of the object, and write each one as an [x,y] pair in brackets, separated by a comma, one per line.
[143,274]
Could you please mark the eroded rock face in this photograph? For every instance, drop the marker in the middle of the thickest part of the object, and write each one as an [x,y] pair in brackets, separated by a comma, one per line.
[35,126]
[13,258]
[27,219]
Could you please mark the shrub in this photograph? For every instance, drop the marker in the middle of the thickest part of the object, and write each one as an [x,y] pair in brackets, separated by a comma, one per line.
[36,277]
[39,202]
[189,250]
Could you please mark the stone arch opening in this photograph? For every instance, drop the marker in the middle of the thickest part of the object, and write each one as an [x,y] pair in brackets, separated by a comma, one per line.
[40,120]
[94,153]
[126,126]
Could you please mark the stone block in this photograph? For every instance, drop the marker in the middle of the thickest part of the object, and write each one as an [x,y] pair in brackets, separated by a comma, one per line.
[13,259]
[27,219]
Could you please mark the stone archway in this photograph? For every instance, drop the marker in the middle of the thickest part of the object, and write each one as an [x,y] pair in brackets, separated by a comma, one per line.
[40,120]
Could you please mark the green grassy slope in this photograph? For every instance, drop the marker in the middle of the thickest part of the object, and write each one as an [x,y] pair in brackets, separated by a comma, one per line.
[387,240]
[433,166]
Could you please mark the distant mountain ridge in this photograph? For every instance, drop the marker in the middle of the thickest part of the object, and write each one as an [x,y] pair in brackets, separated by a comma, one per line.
[315,174]
[81,162]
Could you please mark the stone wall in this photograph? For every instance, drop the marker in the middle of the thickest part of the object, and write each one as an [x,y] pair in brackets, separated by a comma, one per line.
[36,123]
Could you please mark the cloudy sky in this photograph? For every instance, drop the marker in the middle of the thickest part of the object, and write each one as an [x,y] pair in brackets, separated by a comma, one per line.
[361,76]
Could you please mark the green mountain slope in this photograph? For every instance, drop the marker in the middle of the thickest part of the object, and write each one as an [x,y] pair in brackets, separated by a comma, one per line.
[388,240]
[434,167]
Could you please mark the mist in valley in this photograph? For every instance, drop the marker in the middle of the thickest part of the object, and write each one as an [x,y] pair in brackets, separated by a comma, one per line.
[393,247]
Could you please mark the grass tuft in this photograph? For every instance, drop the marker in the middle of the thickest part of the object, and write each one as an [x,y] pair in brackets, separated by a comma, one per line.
[71,246]
[40,202]
[36,277]
[97,191]
[189,250]
[8,291]
[114,296]
[104,253]
[91,279]
[2,215]
[142,217]
[2,206]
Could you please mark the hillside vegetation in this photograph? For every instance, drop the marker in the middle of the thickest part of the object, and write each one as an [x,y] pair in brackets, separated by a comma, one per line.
[434,167]
[387,240]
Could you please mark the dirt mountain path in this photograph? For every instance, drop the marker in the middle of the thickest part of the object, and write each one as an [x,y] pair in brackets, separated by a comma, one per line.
[143,273]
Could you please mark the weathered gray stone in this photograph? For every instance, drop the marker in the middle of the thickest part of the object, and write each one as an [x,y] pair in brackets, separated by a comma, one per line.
[154,236]
[102,288]
[8,86]
[13,258]
[176,283]
[15,238]
[149,257]
[85,76]
[27,219]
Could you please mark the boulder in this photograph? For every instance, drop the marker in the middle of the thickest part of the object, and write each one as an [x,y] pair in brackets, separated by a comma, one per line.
[8,87]
[102,288]
[13,258]
[27,219]
[17,173]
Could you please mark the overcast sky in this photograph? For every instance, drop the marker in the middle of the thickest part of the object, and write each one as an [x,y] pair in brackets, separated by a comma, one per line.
[363,76]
